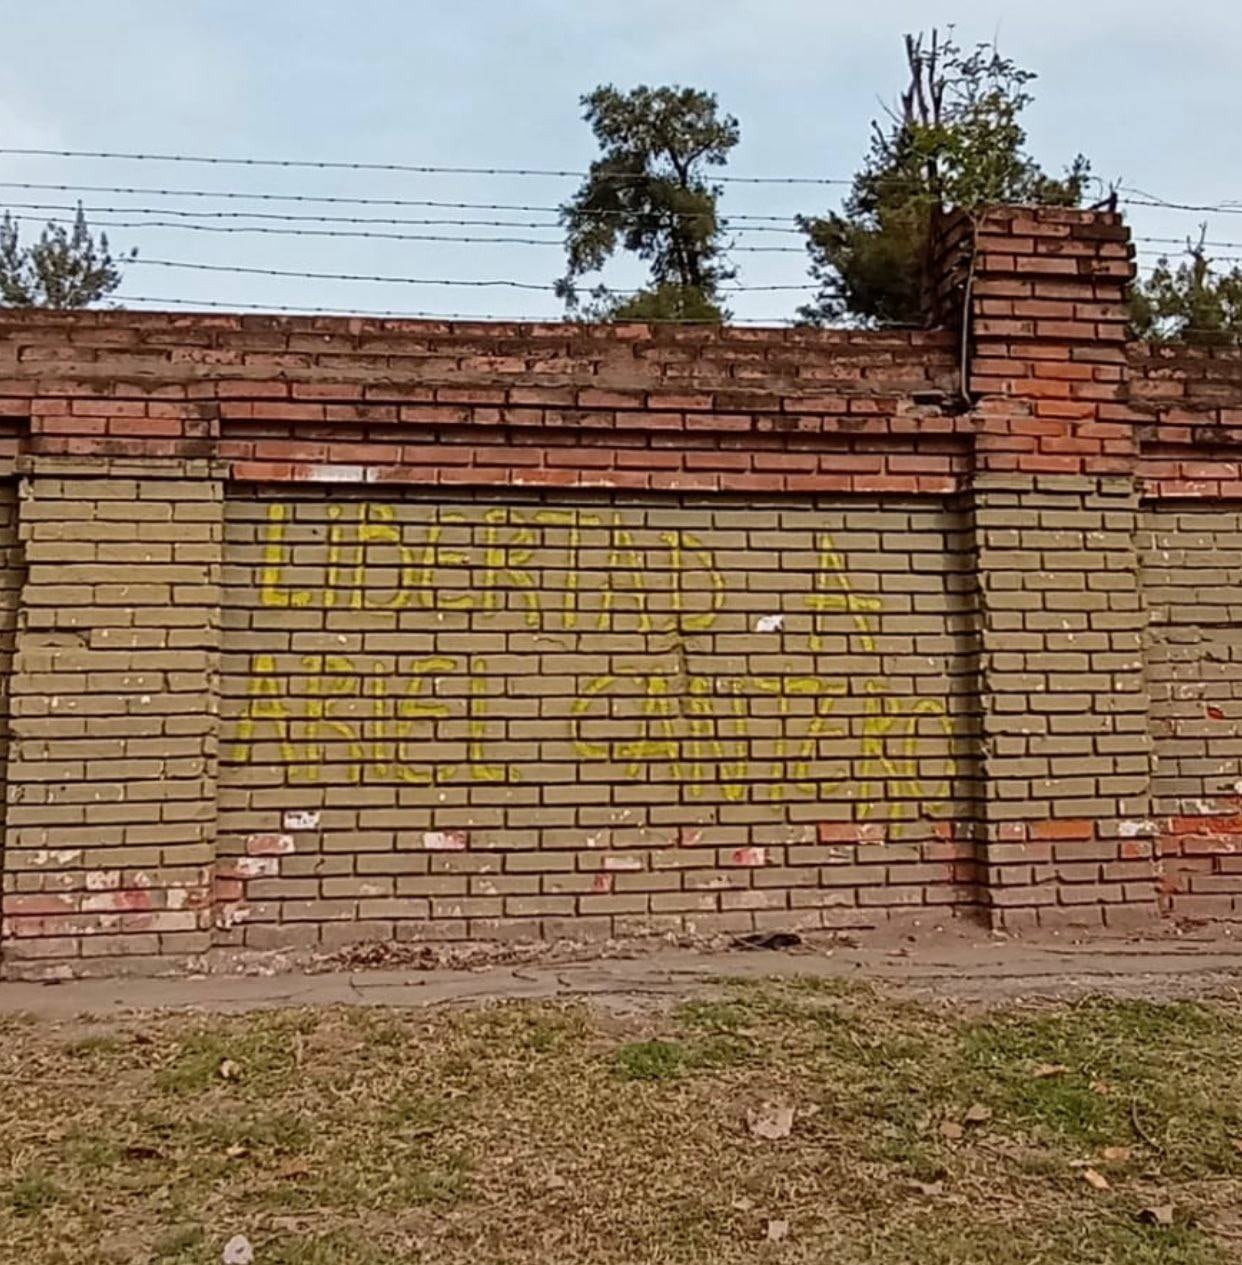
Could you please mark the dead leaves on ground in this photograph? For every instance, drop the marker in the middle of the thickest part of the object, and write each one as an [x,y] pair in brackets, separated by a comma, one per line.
[974,1117]
[977,1114]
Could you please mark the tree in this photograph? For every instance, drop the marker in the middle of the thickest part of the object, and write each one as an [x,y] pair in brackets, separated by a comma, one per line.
[955,140]
[1189,303]
[647,193]
[63,269]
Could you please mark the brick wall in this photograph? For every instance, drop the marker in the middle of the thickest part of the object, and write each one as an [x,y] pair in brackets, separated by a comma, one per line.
[336,629]
[111,776]
[1188,410]
[504,716]
[1192,562]
[11,580]
[1065,747]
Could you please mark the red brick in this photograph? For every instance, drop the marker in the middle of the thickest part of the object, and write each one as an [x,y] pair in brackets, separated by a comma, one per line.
[1064,829]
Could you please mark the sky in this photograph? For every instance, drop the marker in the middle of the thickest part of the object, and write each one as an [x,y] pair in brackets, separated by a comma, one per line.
[1147,91]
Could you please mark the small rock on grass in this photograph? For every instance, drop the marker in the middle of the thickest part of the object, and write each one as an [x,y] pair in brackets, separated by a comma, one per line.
[237,1251]
[778,1231]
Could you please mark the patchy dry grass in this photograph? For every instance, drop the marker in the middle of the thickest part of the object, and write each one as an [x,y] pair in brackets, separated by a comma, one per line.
[542,1134]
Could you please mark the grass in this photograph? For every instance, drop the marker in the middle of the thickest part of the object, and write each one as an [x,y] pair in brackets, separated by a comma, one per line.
[32,1193]
[524,1133]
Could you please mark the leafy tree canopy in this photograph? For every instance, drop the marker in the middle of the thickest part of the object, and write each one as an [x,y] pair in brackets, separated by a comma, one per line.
[648,193]
[65,268]
[955,140]
[1189,302]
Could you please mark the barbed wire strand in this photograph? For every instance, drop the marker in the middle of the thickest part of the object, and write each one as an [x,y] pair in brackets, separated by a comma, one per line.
[359,233]
[430,203]
[1183,242]
[408,168]
[325,219]
[1187,247]
[1147,200]
[395,313]
[1170,257]
[465,282]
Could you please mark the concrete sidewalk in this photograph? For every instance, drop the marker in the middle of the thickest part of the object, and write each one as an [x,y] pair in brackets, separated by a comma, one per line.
[972,969]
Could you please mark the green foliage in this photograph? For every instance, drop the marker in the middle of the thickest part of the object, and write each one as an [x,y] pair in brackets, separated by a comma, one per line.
[670,302]
[32,1194]
[65,268]
[711,1016]
[1114,1066]
[88,1047]
[173,1244]
[659,1060]
[956,141]
[650,1060]
[199,1061]
[1190,302]
[647,194]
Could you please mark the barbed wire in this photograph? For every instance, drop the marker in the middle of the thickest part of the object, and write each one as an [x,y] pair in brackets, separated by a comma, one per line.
[1143,199]
[409,168]
[360,233]
[313,224]
[299,232]
[1166,255]
[1184,242]
[466,282]
[1146,199]
[286,217]
[1135,196]
[434,204]
[396,313]
[351,233]
[1222,340]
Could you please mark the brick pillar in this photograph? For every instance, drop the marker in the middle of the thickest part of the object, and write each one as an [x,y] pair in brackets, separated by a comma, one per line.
[112,766]
[1066,753]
